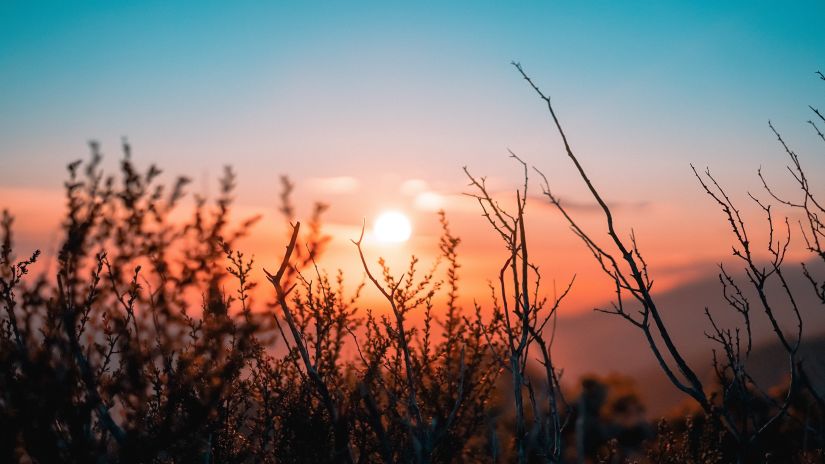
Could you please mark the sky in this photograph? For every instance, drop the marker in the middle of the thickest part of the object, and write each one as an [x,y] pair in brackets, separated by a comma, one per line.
[378,105]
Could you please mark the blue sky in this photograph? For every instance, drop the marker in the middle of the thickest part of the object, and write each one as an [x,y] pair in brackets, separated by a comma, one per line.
[315,88]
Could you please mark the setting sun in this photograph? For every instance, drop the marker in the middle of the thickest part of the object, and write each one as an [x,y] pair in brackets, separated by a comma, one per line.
[392,227]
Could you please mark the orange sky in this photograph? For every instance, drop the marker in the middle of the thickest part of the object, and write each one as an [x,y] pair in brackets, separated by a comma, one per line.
[679,243]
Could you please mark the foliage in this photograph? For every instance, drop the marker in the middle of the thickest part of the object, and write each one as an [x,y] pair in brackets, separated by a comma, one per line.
[142,342]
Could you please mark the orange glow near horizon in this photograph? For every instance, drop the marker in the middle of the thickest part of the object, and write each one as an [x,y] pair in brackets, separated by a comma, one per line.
[682,242]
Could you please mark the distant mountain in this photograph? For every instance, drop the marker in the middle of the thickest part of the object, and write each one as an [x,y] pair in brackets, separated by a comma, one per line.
[593,342]
[768,364]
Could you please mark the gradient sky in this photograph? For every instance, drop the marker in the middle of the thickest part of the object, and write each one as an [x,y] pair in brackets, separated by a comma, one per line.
[361,102]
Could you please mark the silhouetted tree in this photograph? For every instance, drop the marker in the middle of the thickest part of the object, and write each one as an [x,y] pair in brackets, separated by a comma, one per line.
[735,405]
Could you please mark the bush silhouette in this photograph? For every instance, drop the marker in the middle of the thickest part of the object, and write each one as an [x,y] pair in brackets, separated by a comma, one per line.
[142,342]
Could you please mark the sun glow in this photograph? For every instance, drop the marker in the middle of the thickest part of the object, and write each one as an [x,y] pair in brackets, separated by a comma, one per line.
[392,227]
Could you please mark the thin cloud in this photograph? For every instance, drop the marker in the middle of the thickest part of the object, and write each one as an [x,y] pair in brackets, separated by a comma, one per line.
[335,185]
[412,187]
[429,201]
[593,207]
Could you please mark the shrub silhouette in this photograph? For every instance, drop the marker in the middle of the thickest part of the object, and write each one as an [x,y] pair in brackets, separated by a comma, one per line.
[739,407]
[142,342]
[109,359]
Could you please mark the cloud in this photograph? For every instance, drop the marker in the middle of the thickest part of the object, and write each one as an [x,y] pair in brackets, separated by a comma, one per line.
[429,201]
[585,207]
[412,187]
[335,185]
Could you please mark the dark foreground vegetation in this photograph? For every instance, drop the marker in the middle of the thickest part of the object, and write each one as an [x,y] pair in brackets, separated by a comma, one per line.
[104,357]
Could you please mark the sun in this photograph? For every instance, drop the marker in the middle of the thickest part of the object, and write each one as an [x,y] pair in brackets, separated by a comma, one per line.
[392,227]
